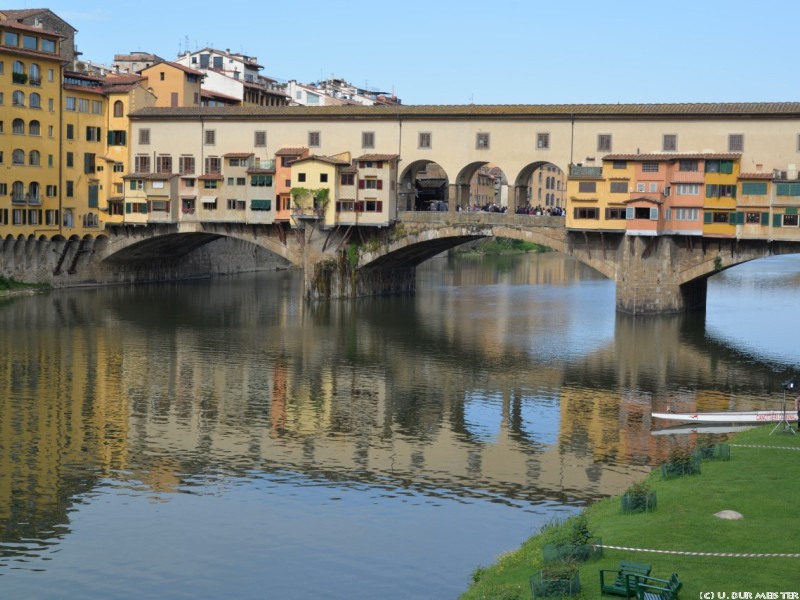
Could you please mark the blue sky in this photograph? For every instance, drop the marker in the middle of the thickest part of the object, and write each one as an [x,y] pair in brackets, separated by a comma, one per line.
[501,52]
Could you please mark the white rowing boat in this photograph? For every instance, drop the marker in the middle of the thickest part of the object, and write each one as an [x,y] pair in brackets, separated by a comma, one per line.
[745,416]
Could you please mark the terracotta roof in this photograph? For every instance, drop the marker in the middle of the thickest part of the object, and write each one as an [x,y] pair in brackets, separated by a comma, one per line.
[499,111]
[212,94]
[84,89]
[259,170]
[673,156]
[13,24]
[178,66]
[291,151]
[210,177]
[767,176]
[378,157]
[326,159]
[238,155]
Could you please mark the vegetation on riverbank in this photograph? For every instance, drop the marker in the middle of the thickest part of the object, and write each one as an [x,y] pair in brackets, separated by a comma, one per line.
[501,246]
[759,481]
[9,285]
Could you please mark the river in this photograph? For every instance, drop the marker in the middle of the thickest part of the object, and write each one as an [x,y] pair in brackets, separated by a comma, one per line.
[218,438]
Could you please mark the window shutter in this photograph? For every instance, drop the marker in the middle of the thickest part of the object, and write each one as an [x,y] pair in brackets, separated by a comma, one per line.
[359,207]
[133,184]
[93,195]
[654,213]
[380,184]
[128,207]
[765,219]
[110,137]
[629,212]
[361,184]
[707,216]
[379,206]
[146,207]
[777,220]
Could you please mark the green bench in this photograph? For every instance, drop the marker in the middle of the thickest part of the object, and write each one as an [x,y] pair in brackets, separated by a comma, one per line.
[652,588]
[622,581]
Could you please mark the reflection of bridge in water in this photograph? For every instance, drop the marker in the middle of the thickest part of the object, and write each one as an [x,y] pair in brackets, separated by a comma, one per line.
[565,431]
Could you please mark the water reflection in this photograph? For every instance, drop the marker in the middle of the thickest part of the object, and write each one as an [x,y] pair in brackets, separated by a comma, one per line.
[512,382]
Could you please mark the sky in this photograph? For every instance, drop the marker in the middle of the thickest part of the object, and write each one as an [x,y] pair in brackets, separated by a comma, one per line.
[468,52]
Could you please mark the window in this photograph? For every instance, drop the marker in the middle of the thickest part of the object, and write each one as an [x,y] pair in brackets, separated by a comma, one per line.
[35,100]
[720,191]
[213,165]
[18,98]
[586,213]
[137,185]
[261,180]
[70,160]
[650,167]
[241,181]
[34,158]
[752,218]
[260,139]
[119,167]
[186,165]
[88,162]
[51,191]
[652,187]
[587,187]
[230,181]
[314,139]
[619,187]
[323,178]
[790,220]
[367,139]
[144,137]
[70,189]
[18,127]
[688,189]
[210,184]
[210,137]
[83,105]
[141,163]
[640,187]
[619,164]
[754,188]
[425,139]
[301,177]
[669,143]
[93,134]
[736,142]
[615,214]
[604,142]
[347,179]
[370,184]
[30,42]
[261,205]
[164,164]
[97,107]
[118,109]
[116,137]
[482,141]
[542,141]
[687,165]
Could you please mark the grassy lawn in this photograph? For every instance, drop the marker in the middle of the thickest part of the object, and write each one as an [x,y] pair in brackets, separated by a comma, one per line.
[763,484]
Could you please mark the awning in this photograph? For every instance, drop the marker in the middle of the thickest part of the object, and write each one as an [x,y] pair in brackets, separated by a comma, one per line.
[260,204]
[208,199]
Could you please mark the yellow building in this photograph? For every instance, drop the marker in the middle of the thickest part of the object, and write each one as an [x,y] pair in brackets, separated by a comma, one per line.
[83,148]
[315,187]
[30,81]
[125,94]
[721,178]
[173,84]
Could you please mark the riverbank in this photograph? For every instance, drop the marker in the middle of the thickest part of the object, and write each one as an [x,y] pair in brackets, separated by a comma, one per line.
[759,481]
[11,287]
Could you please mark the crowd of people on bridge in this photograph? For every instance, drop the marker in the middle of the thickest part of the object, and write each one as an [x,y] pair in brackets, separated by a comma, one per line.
[492,207]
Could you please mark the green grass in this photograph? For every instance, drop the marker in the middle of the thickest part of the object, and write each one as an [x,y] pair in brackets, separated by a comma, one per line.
[9,284]
[760,483]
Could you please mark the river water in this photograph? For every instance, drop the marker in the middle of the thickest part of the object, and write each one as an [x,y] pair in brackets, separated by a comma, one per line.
[218,438]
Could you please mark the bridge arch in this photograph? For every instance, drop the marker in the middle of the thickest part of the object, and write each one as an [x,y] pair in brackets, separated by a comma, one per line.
[423,182]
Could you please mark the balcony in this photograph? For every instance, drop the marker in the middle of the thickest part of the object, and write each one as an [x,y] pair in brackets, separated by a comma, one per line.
[579,171]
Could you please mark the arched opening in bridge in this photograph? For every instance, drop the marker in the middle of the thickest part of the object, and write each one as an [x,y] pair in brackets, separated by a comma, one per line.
[541,189]
[424,185]
[482,186]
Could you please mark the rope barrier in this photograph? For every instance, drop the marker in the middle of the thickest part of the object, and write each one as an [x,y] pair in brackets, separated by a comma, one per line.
[686,553]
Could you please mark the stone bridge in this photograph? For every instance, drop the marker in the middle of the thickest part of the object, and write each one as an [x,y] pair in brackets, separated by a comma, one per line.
[653,275]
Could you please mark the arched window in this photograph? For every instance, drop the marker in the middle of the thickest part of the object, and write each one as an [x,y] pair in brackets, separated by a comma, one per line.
[18,192]
[19,67]
[34,158]
[118,108]
[35,100]
[33,193]
[18,98]
[34,74]
[540,175]
[18,127]
[34,128]
[18,157]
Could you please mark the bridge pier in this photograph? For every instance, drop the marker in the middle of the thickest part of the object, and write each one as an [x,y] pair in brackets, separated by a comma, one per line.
[650,272]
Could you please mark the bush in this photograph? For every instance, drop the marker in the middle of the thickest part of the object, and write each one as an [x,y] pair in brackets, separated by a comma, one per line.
[682,461]
[639,497]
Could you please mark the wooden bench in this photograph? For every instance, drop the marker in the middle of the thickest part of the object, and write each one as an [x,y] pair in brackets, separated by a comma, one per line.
[624,578]
[652,588]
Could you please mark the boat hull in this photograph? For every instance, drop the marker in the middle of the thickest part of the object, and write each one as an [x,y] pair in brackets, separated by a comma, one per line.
[748,416]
